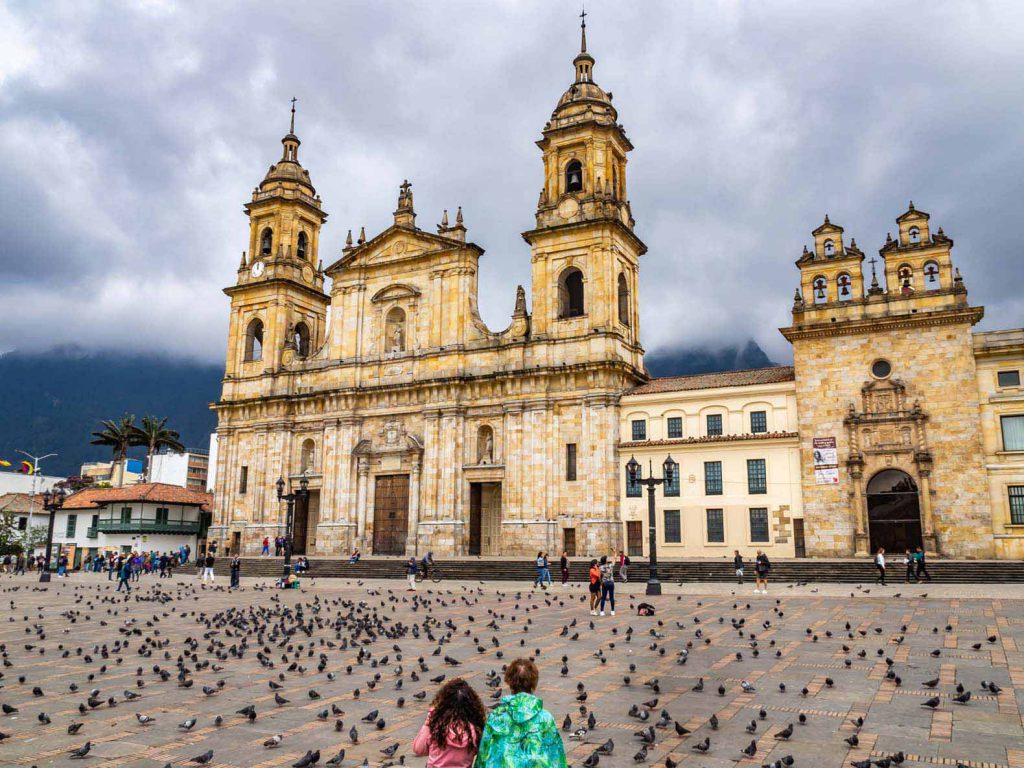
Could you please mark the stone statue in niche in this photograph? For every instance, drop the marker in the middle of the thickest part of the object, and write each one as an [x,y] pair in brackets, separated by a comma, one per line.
[394,330]
[485,446]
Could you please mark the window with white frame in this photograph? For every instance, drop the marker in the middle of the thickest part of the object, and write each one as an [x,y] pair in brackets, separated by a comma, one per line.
[673,531]
[715,526]
[759,525]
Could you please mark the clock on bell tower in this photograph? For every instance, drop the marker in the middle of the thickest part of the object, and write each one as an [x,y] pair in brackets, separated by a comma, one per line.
[278,304]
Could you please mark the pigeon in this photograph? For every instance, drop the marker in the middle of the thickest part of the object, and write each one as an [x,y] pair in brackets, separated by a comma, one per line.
[931,683]
[188,724]
[607,748]
[703,746]
[932,703]
[751,749]
[204,758]
[82,751]
[785,733]
[273,742]
[337,760]
[312,757]
[592,760]
[963,698]
[72,729]
[144,719]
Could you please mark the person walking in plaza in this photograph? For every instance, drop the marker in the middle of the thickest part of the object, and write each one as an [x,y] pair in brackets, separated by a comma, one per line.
[761,567]
[595,586]
[19,565]
[880,565]
[124,575]
[607,585]
[411,569]
[623,567]
[266,547]
[737,563]
[208,569]
[450,734]
[542,570]
[909,562]
[921,568]
[278,545]
[563,564]
[236,570]
[62,565]
[520,733]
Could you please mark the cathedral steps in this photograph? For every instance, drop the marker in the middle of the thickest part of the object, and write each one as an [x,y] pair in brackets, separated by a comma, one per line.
[783,571]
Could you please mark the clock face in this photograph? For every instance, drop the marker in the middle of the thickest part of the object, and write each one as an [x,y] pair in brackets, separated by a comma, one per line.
[257,269]
[307,273]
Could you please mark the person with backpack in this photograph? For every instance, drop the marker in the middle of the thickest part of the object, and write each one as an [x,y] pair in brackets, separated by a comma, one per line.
[737,563]
[607,585]
[880,565]
[761,568]
[921,568]
[520,733]
[124,575]
[909,562]
[450,735]
[595,586]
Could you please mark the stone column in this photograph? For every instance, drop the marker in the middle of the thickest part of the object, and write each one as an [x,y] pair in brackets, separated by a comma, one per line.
[860,536]
[412,543]
[364,472]
[931,541]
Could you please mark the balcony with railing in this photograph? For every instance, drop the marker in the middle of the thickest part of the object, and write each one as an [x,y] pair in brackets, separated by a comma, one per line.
[147,525]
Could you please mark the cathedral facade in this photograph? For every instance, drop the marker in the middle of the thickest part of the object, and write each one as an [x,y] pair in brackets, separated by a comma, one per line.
[415,426]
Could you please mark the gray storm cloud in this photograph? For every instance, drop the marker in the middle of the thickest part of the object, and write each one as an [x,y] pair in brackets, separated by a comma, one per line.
[132,133]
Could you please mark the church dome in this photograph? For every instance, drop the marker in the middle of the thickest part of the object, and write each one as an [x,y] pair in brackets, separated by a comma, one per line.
[584,99]
[288,169]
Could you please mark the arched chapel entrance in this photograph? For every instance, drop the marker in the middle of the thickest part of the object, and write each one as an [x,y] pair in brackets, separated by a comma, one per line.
[894,513]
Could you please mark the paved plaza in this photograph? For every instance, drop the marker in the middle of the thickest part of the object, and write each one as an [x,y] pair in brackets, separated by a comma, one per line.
[231,645]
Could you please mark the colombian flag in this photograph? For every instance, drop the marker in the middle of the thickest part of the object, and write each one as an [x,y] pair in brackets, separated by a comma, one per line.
[27,468]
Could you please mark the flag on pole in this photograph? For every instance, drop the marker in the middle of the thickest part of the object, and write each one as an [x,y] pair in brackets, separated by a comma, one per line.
[4,463]
[27,468]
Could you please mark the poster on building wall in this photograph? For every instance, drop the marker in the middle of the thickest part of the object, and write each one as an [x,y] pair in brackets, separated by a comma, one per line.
[826,461]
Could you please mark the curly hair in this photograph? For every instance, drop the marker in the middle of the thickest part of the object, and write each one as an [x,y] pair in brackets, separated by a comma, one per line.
[456,707]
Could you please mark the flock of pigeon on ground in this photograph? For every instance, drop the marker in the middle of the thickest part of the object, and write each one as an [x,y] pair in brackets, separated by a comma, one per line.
[353,646]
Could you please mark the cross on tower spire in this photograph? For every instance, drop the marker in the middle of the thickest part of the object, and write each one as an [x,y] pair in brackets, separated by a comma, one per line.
[292,129]
[583,30]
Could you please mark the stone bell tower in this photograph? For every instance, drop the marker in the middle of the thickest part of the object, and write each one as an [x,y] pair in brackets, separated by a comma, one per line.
[278,305]
[586,256]
[889,416]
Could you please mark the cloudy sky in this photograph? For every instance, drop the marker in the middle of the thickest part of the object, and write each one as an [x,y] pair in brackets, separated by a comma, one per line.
[132,133]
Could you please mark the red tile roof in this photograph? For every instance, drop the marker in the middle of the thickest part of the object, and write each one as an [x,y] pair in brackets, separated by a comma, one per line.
[157,493]
[710,439]
[18,503]
[774,375]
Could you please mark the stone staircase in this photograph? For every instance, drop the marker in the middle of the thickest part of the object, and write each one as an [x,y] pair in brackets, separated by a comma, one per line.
[669,571]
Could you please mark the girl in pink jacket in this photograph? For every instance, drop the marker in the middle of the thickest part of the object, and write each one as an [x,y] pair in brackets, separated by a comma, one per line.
[450,736]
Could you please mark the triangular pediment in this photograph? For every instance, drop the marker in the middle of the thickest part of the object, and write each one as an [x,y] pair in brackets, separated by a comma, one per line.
[397,243]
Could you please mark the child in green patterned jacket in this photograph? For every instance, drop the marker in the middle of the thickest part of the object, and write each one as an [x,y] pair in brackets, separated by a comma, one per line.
[520,733]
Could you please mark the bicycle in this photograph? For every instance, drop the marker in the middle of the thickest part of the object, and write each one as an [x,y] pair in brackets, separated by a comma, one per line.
[435,574]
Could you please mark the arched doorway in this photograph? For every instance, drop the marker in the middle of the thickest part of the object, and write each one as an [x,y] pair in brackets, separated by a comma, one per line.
[894,513]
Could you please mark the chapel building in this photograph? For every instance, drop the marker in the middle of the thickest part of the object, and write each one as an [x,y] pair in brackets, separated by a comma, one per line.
[417,427]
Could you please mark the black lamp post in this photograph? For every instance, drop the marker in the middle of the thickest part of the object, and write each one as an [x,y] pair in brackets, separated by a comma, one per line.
[633,472]
[300,495]
[51,503]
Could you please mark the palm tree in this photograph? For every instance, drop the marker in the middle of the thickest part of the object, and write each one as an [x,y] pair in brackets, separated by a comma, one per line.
[154,435]
[120,435]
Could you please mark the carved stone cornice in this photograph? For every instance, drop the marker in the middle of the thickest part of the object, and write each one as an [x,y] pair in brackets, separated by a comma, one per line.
[868,326]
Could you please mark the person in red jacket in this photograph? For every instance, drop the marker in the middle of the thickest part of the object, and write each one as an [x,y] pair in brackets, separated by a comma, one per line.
[450,736]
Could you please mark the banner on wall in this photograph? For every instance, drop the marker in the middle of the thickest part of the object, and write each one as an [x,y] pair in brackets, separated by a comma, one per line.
[826,461]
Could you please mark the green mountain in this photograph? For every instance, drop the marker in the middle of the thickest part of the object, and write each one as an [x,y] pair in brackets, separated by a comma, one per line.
[54,401]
